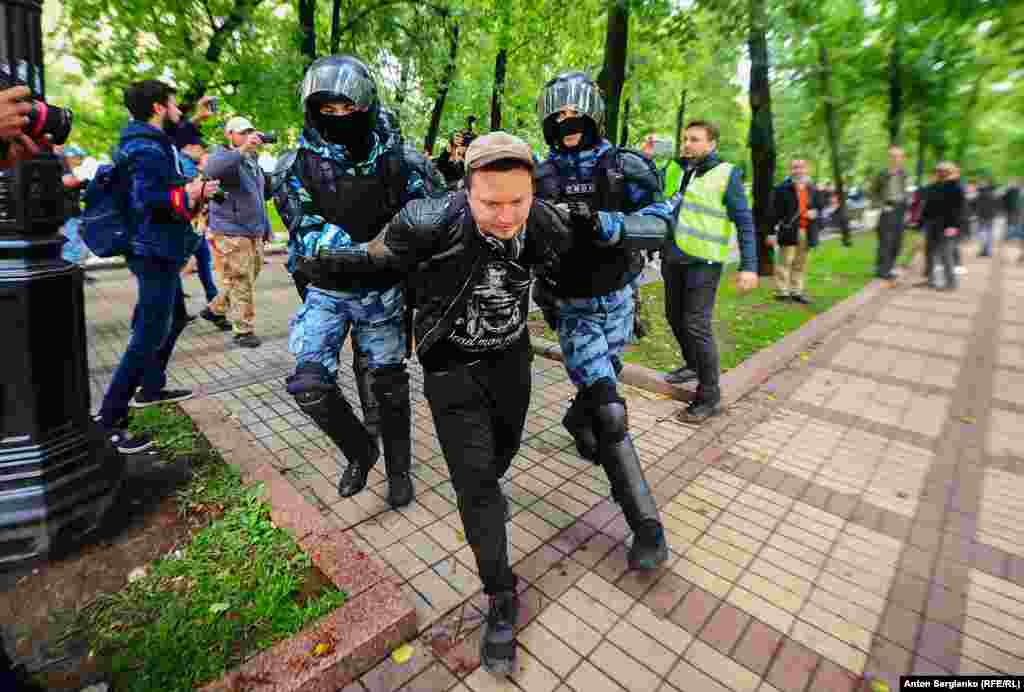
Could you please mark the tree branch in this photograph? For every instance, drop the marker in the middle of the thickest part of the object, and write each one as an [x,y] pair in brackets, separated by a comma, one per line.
[384,3]
[209,15]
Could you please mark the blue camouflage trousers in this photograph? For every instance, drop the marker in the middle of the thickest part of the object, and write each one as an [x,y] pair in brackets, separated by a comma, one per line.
[322,324]
[593,333]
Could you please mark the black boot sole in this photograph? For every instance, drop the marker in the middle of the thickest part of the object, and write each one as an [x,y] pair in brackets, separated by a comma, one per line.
[647,563]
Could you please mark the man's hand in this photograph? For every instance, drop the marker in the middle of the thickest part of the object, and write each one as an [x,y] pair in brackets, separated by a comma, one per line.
[812,214]
[199,190]
[951,232]
[771,241]
[14,111]
[21,148]
[746,281]
[71,182]
[203,111]
[252,143]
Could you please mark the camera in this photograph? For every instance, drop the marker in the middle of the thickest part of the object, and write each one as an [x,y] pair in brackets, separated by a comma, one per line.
[220,196]
[268,137]
[44,118]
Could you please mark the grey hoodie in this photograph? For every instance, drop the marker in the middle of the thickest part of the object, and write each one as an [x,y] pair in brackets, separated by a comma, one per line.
[244,212]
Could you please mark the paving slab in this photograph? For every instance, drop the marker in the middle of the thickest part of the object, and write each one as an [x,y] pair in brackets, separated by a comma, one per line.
[854,515]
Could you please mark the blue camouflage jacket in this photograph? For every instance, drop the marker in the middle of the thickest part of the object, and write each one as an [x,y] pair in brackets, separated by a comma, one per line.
[308,230]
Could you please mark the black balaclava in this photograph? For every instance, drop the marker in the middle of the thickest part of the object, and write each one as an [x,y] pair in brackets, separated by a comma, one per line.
[578,125]
[352,131]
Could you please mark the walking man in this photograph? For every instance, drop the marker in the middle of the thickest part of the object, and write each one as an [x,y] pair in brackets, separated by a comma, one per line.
[163,240]
[798,208]
[472,254]
[350,175]
[590,301]
[712,208]
[239,227]
[890,193]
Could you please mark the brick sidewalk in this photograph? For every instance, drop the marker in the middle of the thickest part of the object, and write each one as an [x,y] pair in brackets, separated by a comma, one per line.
[850,517]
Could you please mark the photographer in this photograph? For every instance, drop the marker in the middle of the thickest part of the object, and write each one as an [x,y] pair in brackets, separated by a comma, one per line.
[239,227]
[451,162]
[162,205]
[14,112]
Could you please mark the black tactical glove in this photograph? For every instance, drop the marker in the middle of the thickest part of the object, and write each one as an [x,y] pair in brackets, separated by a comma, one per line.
[584,220]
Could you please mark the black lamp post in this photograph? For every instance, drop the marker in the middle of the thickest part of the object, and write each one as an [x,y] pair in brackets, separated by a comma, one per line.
[58,473]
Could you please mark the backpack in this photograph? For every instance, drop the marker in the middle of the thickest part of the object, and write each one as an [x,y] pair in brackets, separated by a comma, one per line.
[107,222]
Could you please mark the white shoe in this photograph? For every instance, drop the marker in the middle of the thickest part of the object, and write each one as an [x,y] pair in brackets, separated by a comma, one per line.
[959,271]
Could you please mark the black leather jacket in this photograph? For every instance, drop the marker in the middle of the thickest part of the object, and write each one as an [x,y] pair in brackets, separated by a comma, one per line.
[438,243]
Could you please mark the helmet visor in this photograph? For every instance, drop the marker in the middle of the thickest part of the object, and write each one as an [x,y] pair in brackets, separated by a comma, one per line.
[340,81]
[582,96]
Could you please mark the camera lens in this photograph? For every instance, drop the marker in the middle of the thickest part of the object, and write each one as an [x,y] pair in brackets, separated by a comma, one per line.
[45,119]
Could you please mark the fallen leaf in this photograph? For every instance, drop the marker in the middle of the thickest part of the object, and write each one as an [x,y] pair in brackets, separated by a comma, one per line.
[970,420]
[322,649]
[461,535]
[402,654]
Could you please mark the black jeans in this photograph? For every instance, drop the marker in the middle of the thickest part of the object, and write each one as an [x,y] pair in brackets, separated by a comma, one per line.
[690,291]
[890,239]
[479,412]
[941,249]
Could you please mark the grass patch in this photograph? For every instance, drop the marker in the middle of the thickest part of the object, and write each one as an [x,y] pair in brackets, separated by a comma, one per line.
[745,324]
[240,585]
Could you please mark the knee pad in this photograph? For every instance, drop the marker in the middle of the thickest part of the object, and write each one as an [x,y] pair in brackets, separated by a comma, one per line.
[310,385]
[608,410]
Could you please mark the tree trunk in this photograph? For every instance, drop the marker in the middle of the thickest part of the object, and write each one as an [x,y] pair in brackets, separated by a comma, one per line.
[613,74]
[624,140]
[922,146]
[336,27]
[307,25]
[442,90]
[762,135]
[895,88]
[833,138]
[499,88]
[680,121]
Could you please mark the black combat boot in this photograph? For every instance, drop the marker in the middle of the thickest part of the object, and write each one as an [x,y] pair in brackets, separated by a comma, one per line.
[580,426]
[391,387]
[319,398]
[498,642]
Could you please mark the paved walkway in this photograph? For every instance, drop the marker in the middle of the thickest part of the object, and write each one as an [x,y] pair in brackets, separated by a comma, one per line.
[857,515]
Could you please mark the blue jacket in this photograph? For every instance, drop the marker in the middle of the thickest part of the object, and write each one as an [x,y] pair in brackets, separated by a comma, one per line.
[157,194]
[737,207]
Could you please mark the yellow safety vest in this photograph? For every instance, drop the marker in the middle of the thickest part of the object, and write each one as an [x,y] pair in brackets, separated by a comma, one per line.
[704,229]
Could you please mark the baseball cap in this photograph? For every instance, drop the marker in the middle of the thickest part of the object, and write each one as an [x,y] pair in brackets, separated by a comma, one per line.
[238,124]
[497,146]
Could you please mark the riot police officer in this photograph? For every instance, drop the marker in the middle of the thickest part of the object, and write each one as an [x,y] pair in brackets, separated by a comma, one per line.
[590,300]
[349,176]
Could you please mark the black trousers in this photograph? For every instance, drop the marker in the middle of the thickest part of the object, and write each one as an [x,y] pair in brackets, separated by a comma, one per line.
[690,291]
[479,412]
[890,239]
[941,249]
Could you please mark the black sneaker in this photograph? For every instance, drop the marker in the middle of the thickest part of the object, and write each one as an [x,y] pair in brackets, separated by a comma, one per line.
[164,396]
[249,340]
[219,321]
[699,411]
[649,549]
[498,644]
[353,480]
[802,299]
[400,490]
[681,375]
[129,443]
[783,297]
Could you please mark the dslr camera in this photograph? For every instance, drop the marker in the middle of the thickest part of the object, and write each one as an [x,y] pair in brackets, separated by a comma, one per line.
[268,137]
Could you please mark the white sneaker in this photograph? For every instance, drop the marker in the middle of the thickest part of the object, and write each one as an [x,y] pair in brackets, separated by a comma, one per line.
[959,271]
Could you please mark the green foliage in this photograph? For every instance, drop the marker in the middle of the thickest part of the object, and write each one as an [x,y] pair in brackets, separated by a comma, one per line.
[238,587]
[247,52]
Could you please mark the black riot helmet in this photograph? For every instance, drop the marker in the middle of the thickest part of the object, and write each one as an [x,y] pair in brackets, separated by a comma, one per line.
[574,90]
[346,79]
